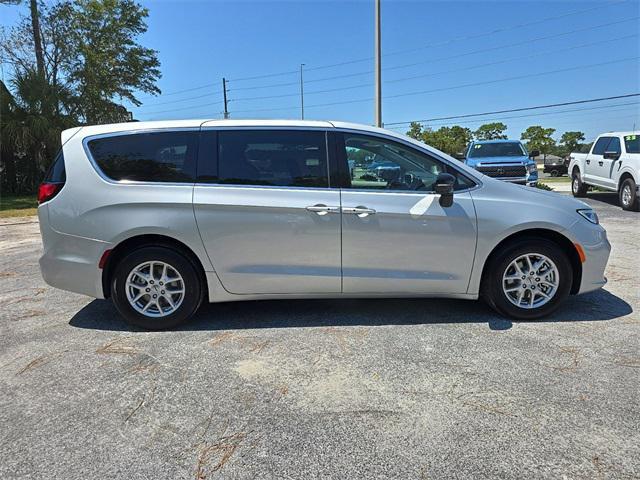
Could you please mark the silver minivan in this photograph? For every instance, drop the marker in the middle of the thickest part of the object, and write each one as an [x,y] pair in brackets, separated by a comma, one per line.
[161,216]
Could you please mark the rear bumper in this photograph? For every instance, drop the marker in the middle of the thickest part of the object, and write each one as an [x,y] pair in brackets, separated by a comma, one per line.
[70,262]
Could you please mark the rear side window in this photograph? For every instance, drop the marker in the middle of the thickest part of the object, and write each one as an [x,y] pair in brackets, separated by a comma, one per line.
[56,172]
[632,143]
[600,147]
[289,158]
[147,157]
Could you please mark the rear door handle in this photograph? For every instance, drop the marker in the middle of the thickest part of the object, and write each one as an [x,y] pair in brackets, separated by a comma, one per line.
[322,209]
[600,163]
[588,162]
[360,211]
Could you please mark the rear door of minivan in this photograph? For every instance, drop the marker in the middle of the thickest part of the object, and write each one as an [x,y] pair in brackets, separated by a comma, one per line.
[267,215]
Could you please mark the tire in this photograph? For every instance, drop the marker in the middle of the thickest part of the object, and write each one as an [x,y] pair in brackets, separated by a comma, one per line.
[502,265]
[578,188]
[160,315]
[554,173]
[628,195]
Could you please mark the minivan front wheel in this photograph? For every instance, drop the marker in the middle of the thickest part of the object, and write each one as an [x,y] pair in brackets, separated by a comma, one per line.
[528,280]
[156,288]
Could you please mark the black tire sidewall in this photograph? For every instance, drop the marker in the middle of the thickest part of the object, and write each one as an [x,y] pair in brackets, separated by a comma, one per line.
[496,296]
[193,287]
[633,204]
[581,190]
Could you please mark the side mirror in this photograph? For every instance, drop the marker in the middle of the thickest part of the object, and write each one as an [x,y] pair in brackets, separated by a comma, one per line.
[534,153]
[444,187]
[611,155]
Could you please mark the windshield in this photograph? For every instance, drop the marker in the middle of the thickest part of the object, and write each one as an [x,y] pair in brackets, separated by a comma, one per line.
[502,149]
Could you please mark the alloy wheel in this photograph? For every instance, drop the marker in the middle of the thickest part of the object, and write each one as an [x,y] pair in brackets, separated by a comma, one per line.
[530,281]
[155,289]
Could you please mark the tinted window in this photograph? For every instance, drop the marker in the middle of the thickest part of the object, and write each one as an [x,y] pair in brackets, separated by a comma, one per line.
[632,143]
[56,172]
[500,149]
[377,163]
[148,157]
[614,145]
[292,158]
[600,147]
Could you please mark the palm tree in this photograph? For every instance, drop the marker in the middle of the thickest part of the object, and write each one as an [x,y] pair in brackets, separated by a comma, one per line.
[36,114]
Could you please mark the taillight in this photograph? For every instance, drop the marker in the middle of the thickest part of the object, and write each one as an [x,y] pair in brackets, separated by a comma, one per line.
[47,191]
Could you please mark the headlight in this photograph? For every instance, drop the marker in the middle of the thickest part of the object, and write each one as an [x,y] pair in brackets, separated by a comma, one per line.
[589,215]
[532,168]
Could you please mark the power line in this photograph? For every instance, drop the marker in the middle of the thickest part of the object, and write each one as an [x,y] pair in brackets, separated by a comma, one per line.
[601,107]
[512,59]
[518,77]
[437,44]
[520,109]
[488,82]
[460,55]
[183,108]
[481,65]
[178,101]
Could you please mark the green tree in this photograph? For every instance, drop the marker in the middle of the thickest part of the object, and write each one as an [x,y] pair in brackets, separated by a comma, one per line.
[570,142]
[539,138]
[451,140]
[491,131]
[108,65]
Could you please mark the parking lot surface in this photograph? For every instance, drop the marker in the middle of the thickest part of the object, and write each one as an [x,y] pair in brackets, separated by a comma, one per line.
[423,389]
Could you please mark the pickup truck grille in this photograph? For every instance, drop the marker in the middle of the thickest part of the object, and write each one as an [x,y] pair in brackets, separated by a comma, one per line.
[503,171]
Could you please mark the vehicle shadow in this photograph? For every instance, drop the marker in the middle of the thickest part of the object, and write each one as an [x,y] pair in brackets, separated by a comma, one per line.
[610,198]
[596,306]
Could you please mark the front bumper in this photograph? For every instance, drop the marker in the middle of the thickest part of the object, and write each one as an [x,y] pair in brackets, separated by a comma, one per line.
[596,246]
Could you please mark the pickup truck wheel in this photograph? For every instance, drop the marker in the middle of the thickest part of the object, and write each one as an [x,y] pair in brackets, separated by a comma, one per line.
[628,195]
[578,188]
[529,279]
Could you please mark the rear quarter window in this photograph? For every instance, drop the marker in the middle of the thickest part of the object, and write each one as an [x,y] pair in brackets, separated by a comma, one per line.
[57,172]
[147,157]
[632,143]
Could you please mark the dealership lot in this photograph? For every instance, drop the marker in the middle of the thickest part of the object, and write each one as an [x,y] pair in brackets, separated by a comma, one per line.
[317,389]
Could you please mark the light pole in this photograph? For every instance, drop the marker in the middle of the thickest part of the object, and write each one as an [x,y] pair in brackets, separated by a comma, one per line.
[378,74]
[301,93]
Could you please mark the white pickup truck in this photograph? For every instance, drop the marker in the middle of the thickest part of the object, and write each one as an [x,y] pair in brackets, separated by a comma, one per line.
[612,164]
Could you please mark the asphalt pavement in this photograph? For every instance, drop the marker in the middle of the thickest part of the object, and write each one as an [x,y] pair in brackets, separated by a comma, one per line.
[424,389]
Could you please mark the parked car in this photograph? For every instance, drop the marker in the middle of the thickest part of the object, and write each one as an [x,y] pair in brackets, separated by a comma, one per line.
[163,216]
[506,160]
[556,166]
[613,164]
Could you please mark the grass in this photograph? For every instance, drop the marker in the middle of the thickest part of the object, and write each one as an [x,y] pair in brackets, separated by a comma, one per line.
[18,206]
[564,179]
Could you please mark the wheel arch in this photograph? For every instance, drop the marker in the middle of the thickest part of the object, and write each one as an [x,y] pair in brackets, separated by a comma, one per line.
[136,242]
[623,176]
[534,234]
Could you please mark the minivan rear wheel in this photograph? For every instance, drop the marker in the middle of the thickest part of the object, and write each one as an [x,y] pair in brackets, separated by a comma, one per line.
[529,279]
[156,288]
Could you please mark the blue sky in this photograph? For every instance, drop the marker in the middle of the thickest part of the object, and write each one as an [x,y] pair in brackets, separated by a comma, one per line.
[451,44]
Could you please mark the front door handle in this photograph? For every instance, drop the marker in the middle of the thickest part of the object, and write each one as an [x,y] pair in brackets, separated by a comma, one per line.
[600,163]
[322,209]
[588,162]
[360,211]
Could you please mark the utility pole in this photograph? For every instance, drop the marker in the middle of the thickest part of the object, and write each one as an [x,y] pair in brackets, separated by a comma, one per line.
[224,93]
[301,93]
[378,75]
